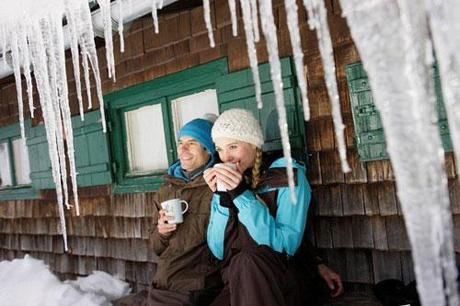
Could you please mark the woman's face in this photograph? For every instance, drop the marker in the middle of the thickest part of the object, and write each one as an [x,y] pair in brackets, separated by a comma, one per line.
[241,153]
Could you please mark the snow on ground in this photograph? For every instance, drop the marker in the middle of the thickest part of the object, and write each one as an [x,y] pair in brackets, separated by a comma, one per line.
[29,282]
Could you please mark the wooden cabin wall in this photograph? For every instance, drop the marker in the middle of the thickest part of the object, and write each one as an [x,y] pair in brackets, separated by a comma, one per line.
[356,219]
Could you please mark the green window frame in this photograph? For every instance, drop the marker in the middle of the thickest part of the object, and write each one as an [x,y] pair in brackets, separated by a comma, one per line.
[16,191]
[158,91]
[370,136]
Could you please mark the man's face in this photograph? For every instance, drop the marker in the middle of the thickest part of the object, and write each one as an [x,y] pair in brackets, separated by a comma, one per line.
[192,154]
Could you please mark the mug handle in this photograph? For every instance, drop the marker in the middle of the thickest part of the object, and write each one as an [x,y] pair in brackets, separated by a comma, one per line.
[186,206]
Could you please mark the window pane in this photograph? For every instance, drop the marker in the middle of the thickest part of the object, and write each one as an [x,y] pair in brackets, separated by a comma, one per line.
[5,174]
[146,140]
[21,162]
[193,106]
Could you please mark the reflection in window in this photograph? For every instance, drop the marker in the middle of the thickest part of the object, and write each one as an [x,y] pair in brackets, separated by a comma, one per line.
[5,166]
[194,106]
[146,140]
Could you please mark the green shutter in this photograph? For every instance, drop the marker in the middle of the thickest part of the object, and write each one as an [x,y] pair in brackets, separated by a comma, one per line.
[40,164]
[91,153]
[370,137]
[237,90]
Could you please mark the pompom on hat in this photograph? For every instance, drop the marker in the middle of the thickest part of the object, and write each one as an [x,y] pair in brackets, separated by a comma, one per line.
[238,124]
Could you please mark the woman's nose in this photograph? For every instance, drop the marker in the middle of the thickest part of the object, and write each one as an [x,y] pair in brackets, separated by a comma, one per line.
[225,157]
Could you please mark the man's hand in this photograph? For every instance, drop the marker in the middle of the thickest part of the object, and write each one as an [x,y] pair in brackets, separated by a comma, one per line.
[164,228]
[333,280]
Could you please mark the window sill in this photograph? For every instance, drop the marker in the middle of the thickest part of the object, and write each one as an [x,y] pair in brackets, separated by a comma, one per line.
[139,184]
[19,193]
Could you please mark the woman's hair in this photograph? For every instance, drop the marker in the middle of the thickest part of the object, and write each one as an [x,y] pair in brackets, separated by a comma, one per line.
[255,180]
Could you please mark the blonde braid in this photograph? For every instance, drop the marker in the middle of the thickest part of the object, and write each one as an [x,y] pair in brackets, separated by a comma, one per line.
[256,169]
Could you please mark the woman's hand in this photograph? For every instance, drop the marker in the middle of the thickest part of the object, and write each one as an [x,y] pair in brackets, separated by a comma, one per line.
[228,177]
[164,228]
[210,178]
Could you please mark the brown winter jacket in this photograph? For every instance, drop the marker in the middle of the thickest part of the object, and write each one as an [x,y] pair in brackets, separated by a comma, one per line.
[184,260]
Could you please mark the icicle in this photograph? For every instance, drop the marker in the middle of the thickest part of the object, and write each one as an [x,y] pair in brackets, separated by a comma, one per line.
[318,20]
[293,26]
[394,41]
[72,11]
[207,19]
[232,8]
[255,20]
[107,20]
[120,26]
[48,39]
[4,45]
[25,60]
[39,61]
[17,76]
[90,50]
[64,108]
[269,30]
[444,19]
[155,15]
[84,60]
[251,48]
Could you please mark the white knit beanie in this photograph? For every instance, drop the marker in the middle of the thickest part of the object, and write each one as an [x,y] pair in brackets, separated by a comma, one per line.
[238,124]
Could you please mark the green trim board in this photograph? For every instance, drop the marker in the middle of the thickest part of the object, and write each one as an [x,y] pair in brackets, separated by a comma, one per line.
[159,91]
[370,136]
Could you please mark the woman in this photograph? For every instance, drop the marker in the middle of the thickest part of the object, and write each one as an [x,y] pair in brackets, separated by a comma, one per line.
[254,226]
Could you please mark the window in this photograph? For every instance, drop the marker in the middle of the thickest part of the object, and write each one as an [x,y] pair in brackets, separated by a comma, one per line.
[15,181]
[145,119]
[14,163]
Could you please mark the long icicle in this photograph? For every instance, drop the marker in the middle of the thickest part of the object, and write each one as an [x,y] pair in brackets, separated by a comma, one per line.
[444,19]
[252,54]
[318,20]
[41,75]
[269,30]
[294,34]
[25,61]
[17,76]
[207,19]
[232,8]
[72,15]
[155,15]
[64,107]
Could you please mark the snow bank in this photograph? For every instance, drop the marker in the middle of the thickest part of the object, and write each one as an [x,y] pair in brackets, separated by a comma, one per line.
[29,281]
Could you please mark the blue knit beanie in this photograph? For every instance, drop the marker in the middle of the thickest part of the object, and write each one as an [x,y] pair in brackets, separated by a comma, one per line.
[200,130]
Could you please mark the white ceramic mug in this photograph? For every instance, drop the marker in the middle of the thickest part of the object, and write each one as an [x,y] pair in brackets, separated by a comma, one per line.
[219,185]
[174,209]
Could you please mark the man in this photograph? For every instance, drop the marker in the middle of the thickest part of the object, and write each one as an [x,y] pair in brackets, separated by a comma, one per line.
[184,273]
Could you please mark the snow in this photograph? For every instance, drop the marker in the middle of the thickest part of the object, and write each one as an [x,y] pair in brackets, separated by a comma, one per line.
[29,282]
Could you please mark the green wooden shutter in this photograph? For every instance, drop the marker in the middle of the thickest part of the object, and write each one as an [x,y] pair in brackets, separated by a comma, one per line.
[237,90]
[370,137]
[91,154]
[91,151]
[40,164]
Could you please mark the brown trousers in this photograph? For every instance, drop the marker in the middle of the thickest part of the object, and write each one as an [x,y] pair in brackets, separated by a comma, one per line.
[257,276]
